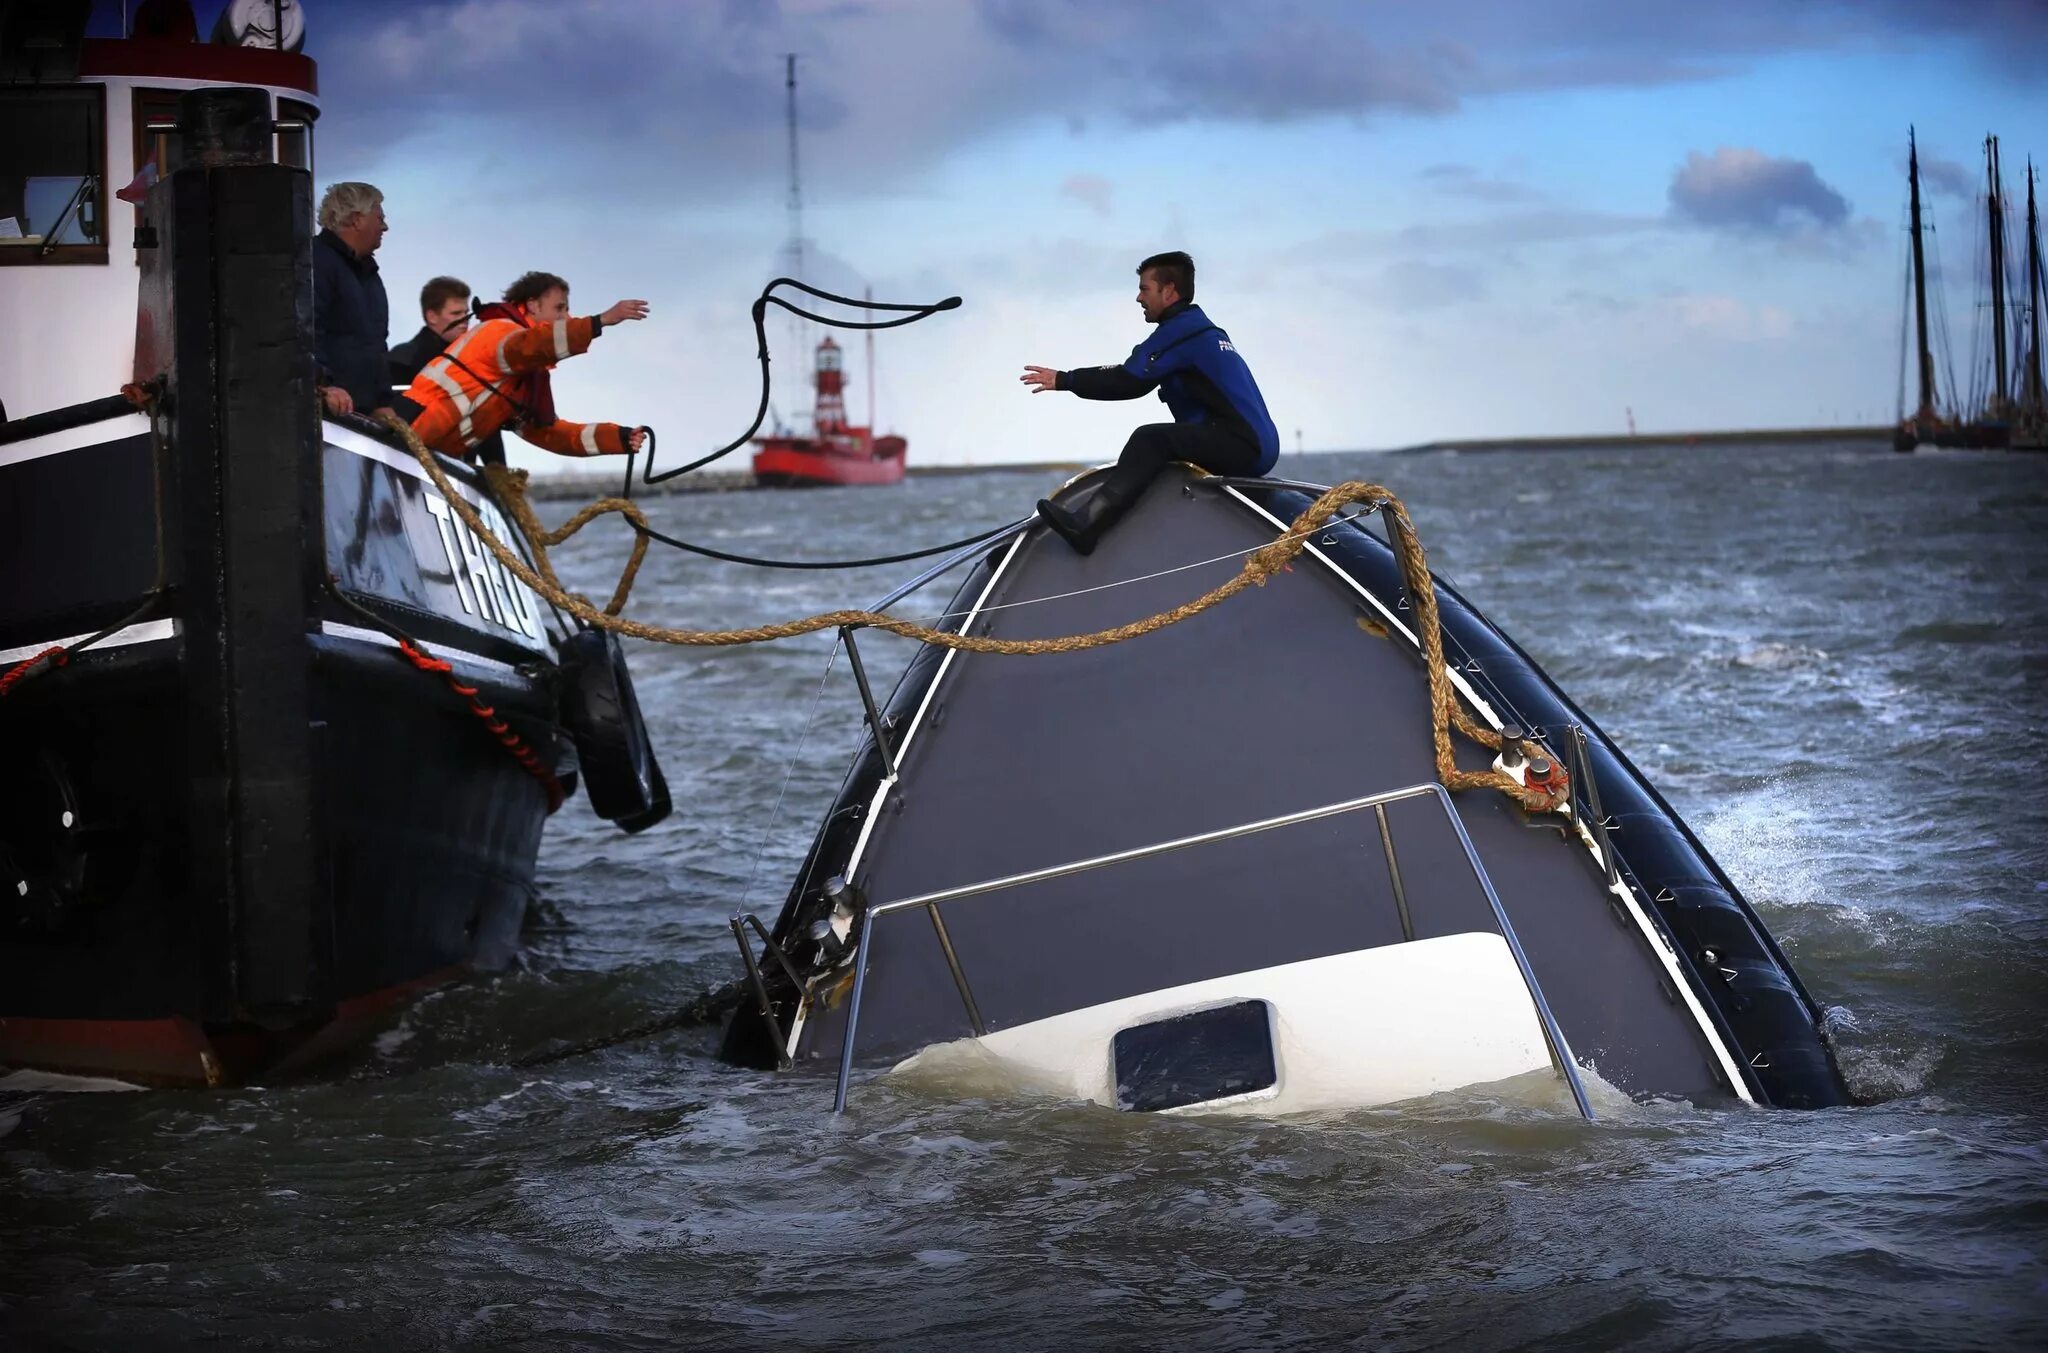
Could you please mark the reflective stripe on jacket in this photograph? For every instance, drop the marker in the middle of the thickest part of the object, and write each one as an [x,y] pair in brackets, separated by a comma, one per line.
[459,407]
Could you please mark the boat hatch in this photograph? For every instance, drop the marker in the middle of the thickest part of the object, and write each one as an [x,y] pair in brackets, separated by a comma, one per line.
[1225,1052]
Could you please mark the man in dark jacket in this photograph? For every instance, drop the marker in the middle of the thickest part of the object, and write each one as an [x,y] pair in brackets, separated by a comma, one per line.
[351,317]
[444,312]
[1219,418]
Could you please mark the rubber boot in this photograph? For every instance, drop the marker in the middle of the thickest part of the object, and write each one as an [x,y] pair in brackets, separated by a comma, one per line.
[1081,527]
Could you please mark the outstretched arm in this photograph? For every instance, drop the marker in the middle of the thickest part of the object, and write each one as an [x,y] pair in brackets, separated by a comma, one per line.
[546,344]
[1089,382]
[583,439]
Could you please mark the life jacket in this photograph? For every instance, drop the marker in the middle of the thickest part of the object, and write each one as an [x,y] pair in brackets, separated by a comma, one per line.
[497,373]
[534,391]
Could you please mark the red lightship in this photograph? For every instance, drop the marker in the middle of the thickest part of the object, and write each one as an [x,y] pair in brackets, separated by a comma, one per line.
[837,452]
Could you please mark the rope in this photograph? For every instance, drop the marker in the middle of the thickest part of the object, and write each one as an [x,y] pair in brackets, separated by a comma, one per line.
[872,561]
[500,729]
[1260,565]
[55,654]
[708,1008]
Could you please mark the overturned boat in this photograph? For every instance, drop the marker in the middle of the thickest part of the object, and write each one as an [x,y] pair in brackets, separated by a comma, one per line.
[1219,867]
[280,737]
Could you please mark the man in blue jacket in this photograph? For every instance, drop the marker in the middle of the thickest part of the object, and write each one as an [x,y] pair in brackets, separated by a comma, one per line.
[350,312]
[1219,418]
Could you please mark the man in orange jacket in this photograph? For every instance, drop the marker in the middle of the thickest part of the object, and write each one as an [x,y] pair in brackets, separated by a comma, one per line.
[497,374]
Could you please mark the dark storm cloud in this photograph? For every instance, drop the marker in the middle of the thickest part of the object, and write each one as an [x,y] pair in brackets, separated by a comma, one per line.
[1744,190]
[683,101]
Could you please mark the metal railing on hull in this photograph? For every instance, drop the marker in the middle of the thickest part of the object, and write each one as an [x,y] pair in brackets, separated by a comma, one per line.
[1560,1049]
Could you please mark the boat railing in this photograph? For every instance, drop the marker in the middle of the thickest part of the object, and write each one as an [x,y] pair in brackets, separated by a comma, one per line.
[930,903]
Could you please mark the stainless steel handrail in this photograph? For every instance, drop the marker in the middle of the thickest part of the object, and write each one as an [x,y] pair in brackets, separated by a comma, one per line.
[952,561]
[1560,1050]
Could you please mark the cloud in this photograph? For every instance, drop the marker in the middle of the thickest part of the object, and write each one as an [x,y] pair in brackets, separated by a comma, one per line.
[1091,190]
[1462,180]
[1727,318]
[1416,284]
[1945,176]
[1746,191]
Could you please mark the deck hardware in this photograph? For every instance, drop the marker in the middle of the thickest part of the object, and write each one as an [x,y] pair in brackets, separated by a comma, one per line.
[1710,957]
[1729,975]
[867,700]
[1761,1061]
[830,947]
[1379,810]
[959,976]
[1582,773]
[1666,896]
[760,987]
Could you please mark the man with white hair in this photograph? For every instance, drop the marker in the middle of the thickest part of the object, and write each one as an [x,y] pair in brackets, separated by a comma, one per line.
[351,315]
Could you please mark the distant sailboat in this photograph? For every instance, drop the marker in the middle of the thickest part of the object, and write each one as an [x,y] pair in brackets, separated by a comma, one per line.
[1991,414]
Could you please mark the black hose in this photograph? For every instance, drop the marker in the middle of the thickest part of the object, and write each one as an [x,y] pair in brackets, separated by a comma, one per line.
[874,562]
[907,314]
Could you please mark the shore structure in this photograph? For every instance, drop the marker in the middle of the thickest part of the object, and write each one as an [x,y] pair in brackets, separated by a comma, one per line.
[283,736]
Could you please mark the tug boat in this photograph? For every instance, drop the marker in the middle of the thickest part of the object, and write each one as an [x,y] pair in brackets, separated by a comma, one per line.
[1213,869]
[279,737]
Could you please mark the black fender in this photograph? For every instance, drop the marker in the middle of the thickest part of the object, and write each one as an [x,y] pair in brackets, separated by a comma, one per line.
[602,715]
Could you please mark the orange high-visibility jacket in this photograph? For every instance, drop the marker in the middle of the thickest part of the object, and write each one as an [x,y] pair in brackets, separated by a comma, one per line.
[458,409]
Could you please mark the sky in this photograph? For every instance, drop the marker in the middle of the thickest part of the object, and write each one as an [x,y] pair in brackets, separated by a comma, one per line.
[1417,221]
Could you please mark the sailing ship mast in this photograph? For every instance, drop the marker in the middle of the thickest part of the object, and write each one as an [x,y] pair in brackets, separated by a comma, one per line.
[1923,417]
[1994,201]
[2037,300]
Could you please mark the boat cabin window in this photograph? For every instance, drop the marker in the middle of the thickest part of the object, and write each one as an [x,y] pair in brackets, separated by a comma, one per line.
[53,169]
[295,148]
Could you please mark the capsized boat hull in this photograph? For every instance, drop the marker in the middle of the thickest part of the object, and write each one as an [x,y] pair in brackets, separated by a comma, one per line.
[1309,691]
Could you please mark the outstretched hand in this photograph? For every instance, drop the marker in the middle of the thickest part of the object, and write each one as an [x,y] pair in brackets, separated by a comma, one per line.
[1040,379]
[625,310]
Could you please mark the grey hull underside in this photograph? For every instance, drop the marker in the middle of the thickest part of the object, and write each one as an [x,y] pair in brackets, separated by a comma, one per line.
[1282,699]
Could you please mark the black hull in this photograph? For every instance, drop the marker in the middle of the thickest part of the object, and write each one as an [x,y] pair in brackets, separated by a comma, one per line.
[120,953]
[431,834]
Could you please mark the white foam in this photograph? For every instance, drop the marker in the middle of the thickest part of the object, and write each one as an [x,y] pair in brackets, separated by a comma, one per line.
[36,1081]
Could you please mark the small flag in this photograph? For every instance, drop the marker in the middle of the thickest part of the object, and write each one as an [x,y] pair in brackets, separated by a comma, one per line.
[138,189]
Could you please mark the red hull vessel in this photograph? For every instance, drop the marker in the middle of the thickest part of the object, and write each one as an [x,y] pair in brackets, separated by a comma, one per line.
[838,453]
[793,461]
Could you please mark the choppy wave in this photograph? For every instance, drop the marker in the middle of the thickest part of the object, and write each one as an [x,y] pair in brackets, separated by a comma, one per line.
[1851,730]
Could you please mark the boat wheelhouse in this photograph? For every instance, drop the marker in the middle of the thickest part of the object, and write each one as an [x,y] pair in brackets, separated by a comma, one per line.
[279,736]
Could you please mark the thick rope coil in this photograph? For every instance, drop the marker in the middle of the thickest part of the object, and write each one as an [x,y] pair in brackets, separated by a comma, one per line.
[1260,565]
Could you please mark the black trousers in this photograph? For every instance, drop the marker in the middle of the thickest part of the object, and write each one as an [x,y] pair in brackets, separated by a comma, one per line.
[1213,446]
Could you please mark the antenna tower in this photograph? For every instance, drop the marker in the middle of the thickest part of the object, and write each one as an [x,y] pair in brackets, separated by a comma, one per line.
[796,195]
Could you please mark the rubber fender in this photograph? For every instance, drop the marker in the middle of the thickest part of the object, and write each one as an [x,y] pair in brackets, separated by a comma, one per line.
[620,772]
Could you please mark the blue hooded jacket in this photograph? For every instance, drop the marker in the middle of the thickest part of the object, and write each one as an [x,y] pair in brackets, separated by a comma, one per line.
[1186,345]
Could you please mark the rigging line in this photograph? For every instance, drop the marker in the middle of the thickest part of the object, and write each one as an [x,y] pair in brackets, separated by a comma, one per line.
[1126,582]
[828,564]
[908,314]
[768,827]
